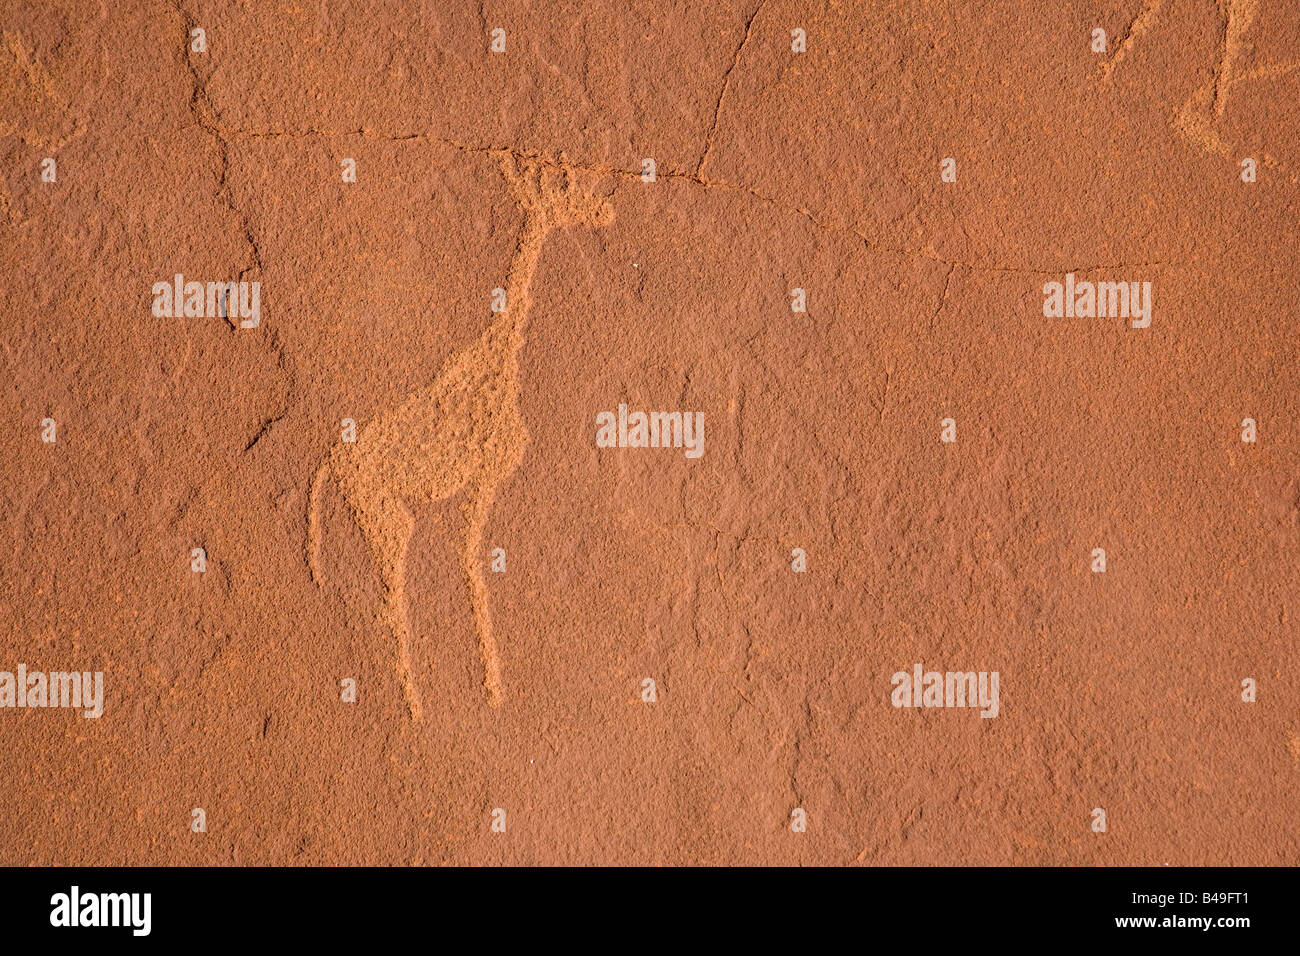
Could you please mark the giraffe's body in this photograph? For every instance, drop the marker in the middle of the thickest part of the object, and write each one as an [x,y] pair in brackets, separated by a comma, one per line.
[464,432]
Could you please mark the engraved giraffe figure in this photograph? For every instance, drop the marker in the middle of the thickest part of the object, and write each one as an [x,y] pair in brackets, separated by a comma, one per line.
[464,432]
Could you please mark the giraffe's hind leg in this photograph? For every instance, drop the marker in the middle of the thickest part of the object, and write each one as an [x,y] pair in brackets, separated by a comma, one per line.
[387,525]
[476,513]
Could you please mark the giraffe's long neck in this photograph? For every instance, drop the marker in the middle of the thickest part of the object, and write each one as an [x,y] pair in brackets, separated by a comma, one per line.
[523,267]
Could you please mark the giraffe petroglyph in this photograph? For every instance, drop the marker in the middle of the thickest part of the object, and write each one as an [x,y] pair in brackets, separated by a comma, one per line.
[464,432]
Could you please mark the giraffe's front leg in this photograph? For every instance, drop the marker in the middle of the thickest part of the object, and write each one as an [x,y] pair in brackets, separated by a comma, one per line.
[476,514]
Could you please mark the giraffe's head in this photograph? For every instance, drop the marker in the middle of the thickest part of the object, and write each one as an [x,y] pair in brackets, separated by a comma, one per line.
[556,190]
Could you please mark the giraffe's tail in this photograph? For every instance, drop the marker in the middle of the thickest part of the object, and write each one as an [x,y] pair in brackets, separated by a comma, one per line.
[313,522]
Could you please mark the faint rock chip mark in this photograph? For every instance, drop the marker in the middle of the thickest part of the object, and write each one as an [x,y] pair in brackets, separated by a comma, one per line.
[1279,497]
[1196,119]
[1140,25]
[30,92]
[1238,15]
[462,433]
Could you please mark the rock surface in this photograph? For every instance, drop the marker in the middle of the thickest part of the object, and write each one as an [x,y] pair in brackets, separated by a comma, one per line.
[775,170]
